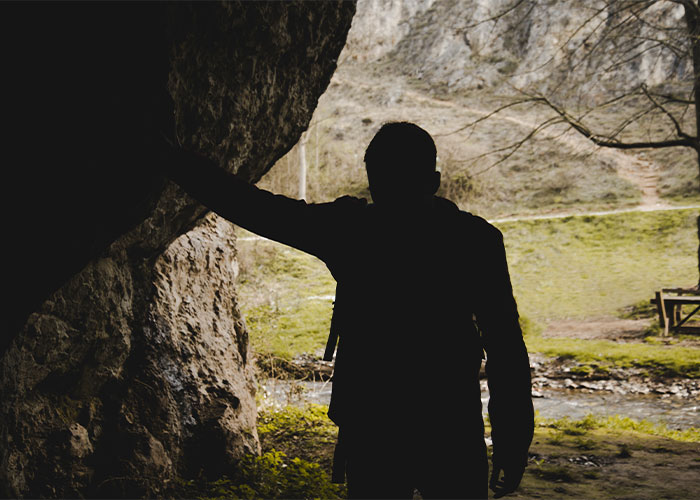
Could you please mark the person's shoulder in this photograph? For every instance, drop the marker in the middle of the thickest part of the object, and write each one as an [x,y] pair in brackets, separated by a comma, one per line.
[471,222]
[481,225]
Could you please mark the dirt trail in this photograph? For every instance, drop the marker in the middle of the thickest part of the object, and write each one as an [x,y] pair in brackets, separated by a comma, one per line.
[562,215]
[642,173]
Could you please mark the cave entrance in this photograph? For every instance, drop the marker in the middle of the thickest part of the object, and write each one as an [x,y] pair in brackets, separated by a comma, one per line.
[564,285]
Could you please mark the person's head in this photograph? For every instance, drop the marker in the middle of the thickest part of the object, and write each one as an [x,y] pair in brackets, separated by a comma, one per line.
[400,163]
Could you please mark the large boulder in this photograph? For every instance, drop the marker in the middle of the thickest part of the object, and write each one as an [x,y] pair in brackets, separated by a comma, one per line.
[124,359]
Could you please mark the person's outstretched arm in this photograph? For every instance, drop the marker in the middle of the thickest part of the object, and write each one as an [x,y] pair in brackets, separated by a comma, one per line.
[507,368]
[289,221]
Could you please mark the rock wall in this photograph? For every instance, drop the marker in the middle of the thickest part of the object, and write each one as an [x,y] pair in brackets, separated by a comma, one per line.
[455,45]
[125,359]
[379,26]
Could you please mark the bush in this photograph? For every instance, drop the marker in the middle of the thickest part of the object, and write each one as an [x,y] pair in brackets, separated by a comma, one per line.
[271,475]
[529,327]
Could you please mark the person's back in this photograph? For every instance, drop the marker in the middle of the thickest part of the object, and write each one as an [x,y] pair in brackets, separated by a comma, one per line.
[413,272]
[404,308]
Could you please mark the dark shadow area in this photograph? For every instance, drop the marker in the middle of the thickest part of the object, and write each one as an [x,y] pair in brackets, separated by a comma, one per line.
[110,378]
[80,81]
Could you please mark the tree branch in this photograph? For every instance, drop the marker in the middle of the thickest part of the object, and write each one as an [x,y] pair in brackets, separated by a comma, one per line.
[653,26]
[617,27]
[622,62]
[672,98]
[496,17]
[571,37]
[679,52]
[679,130]
[514,147]
[611,142]
[689,5]
[629,121]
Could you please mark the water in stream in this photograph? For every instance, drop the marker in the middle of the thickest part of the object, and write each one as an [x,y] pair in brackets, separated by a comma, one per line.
[676,412]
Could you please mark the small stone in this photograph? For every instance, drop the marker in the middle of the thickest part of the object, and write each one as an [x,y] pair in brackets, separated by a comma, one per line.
[79,442]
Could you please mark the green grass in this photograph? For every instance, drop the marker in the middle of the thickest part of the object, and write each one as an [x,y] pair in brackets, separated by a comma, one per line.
[586,266]
[659,360]
[304,432]
[270,475]
[618,423]
[289,330]
[283,296]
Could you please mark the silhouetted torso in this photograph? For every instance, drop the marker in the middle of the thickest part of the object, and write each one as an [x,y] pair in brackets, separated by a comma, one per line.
[404,313]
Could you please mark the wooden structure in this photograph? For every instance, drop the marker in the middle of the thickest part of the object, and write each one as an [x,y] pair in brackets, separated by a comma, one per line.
[669,303]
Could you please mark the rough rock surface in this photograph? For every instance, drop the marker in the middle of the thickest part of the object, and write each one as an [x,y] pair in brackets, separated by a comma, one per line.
[468,44]
[125,359]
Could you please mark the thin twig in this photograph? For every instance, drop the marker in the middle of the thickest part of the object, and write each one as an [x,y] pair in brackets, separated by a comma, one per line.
[495,17]
[484,117]
[679,130]
[513,147]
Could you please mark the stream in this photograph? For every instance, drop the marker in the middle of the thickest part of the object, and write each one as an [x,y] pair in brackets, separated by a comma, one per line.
[675,412]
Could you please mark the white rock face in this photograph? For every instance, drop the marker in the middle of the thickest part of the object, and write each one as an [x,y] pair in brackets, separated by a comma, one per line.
[379,25]
[468,44]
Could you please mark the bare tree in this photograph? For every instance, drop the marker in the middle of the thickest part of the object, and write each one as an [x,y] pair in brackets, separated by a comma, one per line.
[585,78]
[592,76]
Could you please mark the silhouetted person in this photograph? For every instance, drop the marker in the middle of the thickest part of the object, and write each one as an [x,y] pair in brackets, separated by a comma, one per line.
[413,271]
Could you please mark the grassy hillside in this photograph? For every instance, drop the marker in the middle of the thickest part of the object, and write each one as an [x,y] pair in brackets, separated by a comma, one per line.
[594,265]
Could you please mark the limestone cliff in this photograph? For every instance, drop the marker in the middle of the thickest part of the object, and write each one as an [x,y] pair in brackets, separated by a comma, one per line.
[453,45]
[125,358]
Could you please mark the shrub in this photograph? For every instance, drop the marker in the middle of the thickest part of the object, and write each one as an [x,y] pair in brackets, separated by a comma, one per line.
[271,475]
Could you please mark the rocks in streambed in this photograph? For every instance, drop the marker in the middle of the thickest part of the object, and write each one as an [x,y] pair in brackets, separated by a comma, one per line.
[672,387]
[555,373]
[547,373]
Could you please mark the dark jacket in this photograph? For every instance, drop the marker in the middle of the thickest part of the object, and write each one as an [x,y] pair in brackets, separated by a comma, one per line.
[421,295]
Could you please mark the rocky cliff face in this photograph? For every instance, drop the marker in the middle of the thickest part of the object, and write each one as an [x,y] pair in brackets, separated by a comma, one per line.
[455,45]
[125,358]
